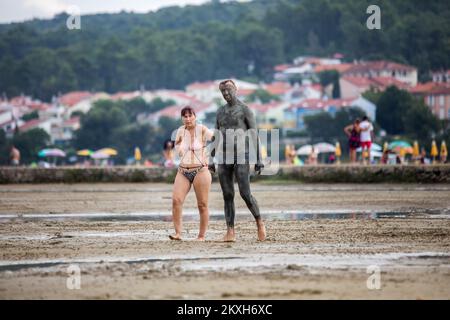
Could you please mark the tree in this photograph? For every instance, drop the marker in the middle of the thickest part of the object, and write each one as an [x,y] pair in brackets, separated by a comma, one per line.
[130,136]
[331,77]
[392,106]
[98,125]
[30,116]
[30,143]
[420,124]
[4,148]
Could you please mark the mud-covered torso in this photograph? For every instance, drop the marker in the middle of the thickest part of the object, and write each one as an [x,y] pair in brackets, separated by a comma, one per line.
[233,118]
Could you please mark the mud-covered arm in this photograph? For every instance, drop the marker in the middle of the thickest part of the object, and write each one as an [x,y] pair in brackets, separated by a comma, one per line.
[251,124]
[212,154]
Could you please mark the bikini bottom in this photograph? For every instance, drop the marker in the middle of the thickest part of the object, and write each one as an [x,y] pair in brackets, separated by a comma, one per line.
[190,173]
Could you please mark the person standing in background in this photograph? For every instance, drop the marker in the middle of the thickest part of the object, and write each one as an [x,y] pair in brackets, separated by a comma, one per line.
[14,156]
[366,137]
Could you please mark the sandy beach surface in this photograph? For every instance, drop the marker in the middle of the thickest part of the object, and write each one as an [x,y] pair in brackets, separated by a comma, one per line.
[325,241]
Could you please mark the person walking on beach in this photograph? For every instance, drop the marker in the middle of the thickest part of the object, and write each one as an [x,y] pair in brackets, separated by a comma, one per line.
[190,146]
[366,138]
[236,119]
[353,133]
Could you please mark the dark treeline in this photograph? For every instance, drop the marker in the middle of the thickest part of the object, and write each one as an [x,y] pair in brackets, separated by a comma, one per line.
[175,46]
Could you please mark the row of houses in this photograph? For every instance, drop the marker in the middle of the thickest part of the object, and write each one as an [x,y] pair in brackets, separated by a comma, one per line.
[295,99]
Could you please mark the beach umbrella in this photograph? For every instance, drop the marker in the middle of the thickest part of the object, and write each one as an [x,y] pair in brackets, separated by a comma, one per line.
[444,152]
[108,151]
[99,155]
[416,149]
[137,154]
[338,152]
[323,147]
[399,144]
[434,150]
[84,152]
[51,153]
[376,147]
[304,150]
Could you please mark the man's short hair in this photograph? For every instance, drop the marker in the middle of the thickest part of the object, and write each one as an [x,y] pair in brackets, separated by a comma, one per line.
[225,83]
[365,118]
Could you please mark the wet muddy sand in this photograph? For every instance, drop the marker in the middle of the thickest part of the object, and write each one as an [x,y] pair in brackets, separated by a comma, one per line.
[324,242]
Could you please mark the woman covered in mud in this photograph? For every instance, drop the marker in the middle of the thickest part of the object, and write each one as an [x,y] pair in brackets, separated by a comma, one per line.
[190,146]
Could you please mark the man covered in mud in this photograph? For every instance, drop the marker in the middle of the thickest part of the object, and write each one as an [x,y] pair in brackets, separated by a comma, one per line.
[237,148]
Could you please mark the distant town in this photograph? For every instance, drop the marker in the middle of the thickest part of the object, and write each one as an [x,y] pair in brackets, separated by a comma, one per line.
[295,90]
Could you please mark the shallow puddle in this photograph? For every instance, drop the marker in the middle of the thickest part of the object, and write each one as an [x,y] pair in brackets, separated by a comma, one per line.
[215,216]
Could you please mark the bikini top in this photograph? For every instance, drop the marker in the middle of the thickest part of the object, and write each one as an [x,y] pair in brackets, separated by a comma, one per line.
[187,146]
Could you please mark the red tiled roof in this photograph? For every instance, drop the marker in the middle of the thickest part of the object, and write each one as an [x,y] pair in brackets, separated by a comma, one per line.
[341,68]
[264,107]
[123,95]
[431,88]
[445,90]
[72,98]
[19,101]
[378,66]
[282,67]
[39,106]
[31,124]
[73,120]
[278,88]
[313,60]
[245,92]
[358,81]
[378,82]
[321,104]
[389,81]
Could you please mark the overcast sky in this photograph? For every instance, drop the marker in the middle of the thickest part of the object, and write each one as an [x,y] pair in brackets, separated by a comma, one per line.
[20,10]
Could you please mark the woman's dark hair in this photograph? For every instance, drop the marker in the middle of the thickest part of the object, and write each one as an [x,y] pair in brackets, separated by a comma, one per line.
[187,109]
[357,121]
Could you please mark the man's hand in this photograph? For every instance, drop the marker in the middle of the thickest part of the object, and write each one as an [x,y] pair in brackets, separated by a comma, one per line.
[212,167]
[258,167]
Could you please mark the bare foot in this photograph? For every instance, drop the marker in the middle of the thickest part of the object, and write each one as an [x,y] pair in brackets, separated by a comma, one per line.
[229,237]
[175,237]
[261,230]
[200,238]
